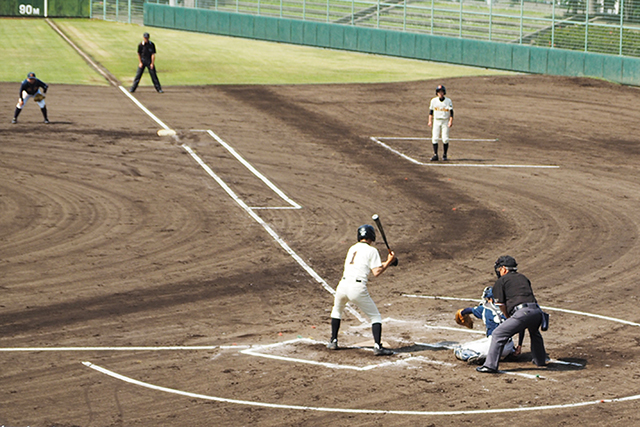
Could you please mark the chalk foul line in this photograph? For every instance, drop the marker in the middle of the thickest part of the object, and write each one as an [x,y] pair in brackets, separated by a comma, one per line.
[562,310]
[268,228]
[458,165]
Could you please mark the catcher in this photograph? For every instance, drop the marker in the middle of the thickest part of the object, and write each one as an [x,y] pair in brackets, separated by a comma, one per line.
[476,351]
[32,88]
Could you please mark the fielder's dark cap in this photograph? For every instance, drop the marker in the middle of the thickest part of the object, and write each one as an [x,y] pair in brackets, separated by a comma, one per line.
[145,35]
[31,75]
[506,261]
[442,89]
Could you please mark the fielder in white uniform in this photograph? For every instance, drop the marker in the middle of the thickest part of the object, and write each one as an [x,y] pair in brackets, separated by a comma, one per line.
[361,260]
[440,120]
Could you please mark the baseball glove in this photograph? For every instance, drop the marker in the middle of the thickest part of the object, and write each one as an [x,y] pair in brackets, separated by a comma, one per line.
[465,320]
[38,97]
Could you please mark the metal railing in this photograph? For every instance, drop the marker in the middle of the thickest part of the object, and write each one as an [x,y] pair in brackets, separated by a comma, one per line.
[129,11]
[601,26]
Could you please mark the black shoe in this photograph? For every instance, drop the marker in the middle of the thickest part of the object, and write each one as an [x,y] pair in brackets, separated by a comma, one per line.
[46,121]
[14,120]
[131,90]
[160,91]
[486,370]
[444,158]
[333,345]
[434,158]
[381,351]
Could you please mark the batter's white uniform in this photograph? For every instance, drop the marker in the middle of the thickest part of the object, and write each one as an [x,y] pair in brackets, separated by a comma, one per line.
[441,114]
[361,258]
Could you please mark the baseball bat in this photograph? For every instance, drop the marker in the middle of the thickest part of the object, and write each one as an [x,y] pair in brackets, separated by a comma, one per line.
[376,219]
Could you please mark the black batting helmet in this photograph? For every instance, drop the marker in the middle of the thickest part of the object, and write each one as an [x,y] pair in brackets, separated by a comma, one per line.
[505,261]
[366,232]
[441,88]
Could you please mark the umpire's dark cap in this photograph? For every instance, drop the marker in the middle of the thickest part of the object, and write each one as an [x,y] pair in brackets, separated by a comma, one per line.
[145,35]
[31,75]
[506,261]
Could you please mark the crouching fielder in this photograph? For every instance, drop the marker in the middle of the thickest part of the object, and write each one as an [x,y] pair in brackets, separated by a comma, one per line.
[32,88]
[476,351]
[361,260]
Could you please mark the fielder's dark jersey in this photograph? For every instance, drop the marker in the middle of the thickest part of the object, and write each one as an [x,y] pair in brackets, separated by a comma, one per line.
[145,50]
[32,88]
[513,289]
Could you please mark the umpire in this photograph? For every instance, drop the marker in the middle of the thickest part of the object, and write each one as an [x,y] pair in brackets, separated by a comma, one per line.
[146,59]
[512,293]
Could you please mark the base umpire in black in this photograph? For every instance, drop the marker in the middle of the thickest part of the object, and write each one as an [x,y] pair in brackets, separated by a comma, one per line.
[512,293]
[146,59]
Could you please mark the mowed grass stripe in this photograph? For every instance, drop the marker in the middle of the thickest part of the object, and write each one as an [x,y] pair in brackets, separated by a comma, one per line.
[31,45]
[186,58]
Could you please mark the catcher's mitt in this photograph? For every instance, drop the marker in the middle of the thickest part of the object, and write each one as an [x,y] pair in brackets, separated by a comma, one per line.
[465,320]
[38,97]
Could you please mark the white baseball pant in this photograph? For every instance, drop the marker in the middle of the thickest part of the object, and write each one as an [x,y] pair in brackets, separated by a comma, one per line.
[350,290]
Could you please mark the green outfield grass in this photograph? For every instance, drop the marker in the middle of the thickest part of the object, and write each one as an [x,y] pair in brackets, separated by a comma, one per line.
[31,45]
[186,58]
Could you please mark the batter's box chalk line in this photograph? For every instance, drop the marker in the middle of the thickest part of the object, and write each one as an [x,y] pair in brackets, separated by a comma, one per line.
[261,351]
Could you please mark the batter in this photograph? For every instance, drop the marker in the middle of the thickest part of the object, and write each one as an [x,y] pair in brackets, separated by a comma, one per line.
[361,260]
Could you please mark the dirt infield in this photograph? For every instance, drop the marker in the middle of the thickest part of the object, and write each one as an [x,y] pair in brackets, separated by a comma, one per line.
[112,237]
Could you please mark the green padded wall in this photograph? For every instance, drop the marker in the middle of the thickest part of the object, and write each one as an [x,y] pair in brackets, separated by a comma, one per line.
[503,56]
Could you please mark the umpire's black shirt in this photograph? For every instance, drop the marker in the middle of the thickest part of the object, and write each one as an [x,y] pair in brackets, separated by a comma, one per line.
[145,50]
[513,289]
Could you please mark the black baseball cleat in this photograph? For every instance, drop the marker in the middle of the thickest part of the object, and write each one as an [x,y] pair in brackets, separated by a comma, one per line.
[435,158]
[131,90]
[14,120]
[160,91]
[46,121]
[333,345]
[486,370]
[379,350]
[444,158]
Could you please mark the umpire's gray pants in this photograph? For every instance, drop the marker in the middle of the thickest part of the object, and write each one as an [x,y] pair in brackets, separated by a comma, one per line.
[525,318]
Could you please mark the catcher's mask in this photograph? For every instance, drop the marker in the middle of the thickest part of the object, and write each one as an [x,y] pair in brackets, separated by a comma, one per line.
[366,232]
[505,261]
[487,293]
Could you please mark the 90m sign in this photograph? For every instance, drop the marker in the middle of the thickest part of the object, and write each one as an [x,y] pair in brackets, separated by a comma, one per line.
[27,9]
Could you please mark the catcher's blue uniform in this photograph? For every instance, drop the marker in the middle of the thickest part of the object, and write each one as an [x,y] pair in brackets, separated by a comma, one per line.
[489,313]
[476,351]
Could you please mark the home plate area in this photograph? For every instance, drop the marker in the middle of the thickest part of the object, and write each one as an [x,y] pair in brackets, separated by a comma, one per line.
[432,345]
[357,357]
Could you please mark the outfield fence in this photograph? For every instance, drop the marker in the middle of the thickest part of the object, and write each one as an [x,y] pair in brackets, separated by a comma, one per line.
[599,26]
